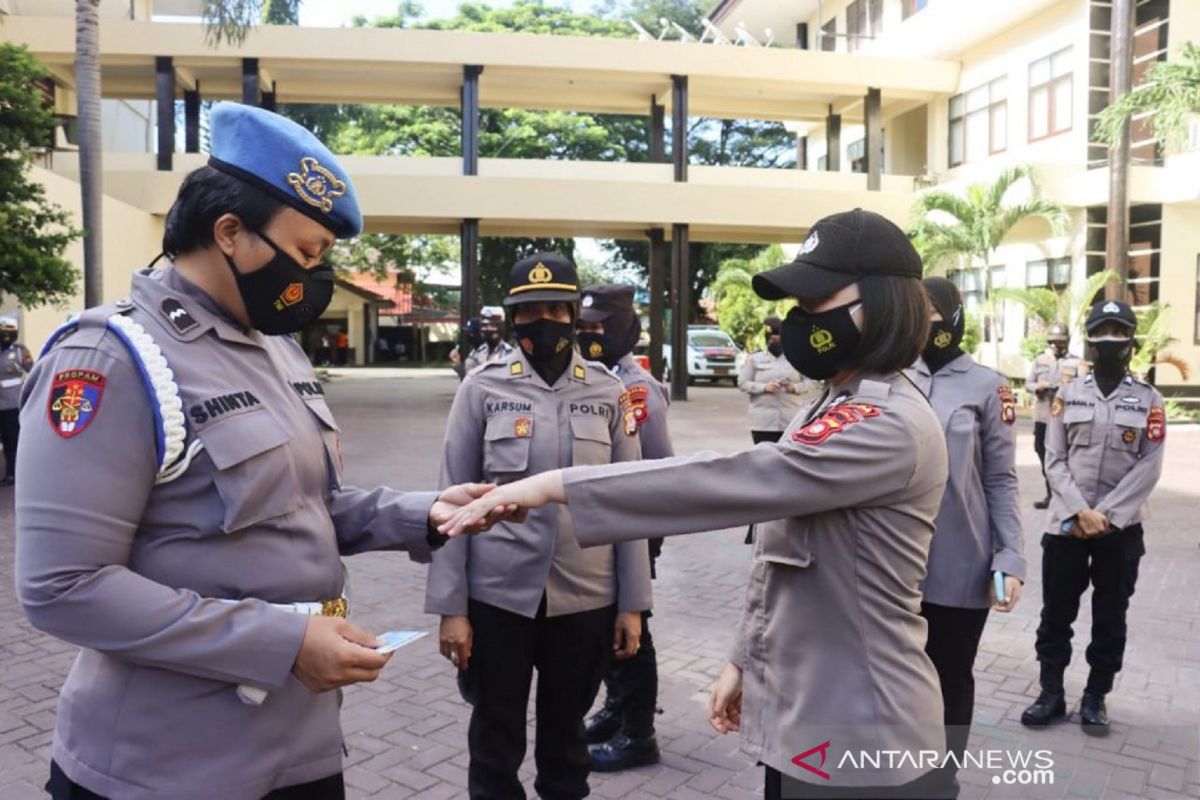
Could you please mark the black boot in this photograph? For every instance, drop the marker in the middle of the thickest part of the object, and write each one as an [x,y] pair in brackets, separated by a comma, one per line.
[1051,704]
[1093,715]
[603,725]
[621,752]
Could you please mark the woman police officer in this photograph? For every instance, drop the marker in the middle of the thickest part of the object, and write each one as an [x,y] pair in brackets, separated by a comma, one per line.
[180,513]
[530,597]
[830,652]
[978,527]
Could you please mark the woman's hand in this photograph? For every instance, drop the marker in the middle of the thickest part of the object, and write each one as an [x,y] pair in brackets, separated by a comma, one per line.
[725,701]
[1012,593]
[455,497]
[510,501]
[627,634]
[455,636]
[336,653]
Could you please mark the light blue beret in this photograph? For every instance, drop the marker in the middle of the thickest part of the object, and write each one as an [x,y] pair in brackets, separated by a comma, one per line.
[288,162]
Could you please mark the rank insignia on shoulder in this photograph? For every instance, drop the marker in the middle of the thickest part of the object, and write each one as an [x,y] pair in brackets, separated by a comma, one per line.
[1156,424]
[516,368]
[523,427]
[580,372]
[74,400]
[834,420]
[1008,405]
[177,315]
[1056,408]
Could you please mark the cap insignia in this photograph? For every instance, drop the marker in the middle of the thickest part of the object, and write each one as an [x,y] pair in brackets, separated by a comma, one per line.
[588,301]
[1111,308]
[810,244]
[540,274]
[316,185]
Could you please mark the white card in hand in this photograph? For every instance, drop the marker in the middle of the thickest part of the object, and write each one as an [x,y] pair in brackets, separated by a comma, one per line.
[394,640]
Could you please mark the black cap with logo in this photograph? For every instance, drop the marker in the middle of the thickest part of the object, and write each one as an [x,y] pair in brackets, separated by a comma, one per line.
[1110,311]
[840,249]
[542,278]
[603,300]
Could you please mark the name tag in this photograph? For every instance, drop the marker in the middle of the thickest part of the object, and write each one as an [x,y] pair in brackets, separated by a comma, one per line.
[11,383]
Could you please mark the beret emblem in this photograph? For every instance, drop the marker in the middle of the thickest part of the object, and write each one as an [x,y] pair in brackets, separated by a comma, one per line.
[316,185]
[540,274]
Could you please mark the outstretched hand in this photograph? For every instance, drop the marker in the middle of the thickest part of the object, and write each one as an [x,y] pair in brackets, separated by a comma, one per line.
[453,499]
[508,502]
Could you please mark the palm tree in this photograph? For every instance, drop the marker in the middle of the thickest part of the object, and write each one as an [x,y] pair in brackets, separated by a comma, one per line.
[1069,307]
[1154,337]
[225,19]
[87,82]
[1171,90]
[740,311]
[969,227]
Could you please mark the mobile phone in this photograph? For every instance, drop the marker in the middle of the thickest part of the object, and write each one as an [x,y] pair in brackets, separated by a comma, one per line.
[394,640]
[998,584]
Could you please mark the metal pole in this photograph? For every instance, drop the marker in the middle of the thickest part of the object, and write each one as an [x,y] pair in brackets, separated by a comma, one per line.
[658,285]
[191,120]
[833,142]
[470,119]
[469,261]
[250,81]
[679,125]
[681,306]
[164,94]
[658,132]
[872,105]
[1121,70]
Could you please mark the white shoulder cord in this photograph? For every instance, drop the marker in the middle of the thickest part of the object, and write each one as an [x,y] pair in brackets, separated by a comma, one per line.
[166,394]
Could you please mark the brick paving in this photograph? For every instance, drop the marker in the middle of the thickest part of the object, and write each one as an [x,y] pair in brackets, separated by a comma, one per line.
[406,733]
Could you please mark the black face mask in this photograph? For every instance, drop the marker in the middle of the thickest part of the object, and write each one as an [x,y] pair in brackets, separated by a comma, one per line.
[493,336]
[282,296]
[1110,357]
[775,348]
[821,345]
[543,339]
[945,338]
[597,347]
[1060,349]
[8,339]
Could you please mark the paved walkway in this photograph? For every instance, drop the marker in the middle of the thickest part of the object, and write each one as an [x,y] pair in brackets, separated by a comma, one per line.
[407,733]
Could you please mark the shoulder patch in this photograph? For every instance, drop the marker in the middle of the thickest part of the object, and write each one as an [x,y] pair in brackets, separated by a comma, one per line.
[834,420]
[1008,405]
[1156,424]
[1056,407]
[74,400]
[634,408]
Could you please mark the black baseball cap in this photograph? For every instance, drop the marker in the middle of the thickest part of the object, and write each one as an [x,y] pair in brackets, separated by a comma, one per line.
[1110,311]
[603,300]
[840,249]
[542,278]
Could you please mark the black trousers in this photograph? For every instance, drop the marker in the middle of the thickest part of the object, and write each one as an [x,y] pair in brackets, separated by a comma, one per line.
[953,642]
[777,787]
[10,430]
[632,687]
[1110,564]
[571,654]
[1039,446]
[61,787]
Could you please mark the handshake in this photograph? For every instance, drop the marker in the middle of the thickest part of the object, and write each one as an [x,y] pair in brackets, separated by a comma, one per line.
[475,507]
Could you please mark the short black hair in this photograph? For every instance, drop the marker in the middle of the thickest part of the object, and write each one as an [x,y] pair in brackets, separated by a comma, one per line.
[895,322]
[205,195]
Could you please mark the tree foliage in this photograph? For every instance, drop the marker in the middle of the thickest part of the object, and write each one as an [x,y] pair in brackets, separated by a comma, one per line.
[740,311]
[1171,90]
[1069,307]
[33,231]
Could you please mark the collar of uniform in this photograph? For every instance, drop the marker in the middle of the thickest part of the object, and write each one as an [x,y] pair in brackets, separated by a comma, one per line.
[203,308]
[577,370]
[627,365]
[962,364]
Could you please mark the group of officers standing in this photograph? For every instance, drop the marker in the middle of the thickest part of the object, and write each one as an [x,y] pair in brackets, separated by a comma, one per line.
[181,511]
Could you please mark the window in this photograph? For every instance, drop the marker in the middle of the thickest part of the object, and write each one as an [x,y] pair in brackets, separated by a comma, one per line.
[822,163]
[970,285]
[863,21]
[1050,95]
[1053,273]
[911,7]
[857,153]
[829,35]
[979,122]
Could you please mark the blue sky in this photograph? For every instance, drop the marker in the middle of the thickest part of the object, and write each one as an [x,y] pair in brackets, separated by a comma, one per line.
[335,13]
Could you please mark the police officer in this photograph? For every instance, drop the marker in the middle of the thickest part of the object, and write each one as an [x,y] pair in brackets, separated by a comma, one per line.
[621,733]
[471,338]
[1104,455]
[777,391]
[978,527]
[180,513]
[1053,368]
[15,363]
[830,654]
[493,344]
[530,597]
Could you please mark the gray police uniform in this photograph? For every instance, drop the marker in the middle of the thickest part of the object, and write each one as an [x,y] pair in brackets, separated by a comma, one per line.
[1055,372]
[164,570]
[535,598]
[485,354]
[978,527]
[831,642]
[774,411]
[15,363]
[1106,454]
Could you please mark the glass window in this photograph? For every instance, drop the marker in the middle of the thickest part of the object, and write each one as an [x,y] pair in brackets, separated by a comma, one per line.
[857,153]
[1052,273]
[979,122]
[1051,95]
[829,35]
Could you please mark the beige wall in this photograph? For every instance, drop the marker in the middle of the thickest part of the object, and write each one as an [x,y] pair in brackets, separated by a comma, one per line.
[131,240]
[905,143]
[1180,251]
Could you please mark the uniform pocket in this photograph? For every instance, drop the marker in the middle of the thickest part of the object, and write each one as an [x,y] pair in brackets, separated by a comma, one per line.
[255,476]
[1128,429]
[591,440]
[1078,420]
[780,543]
[332,436]
[506,446]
